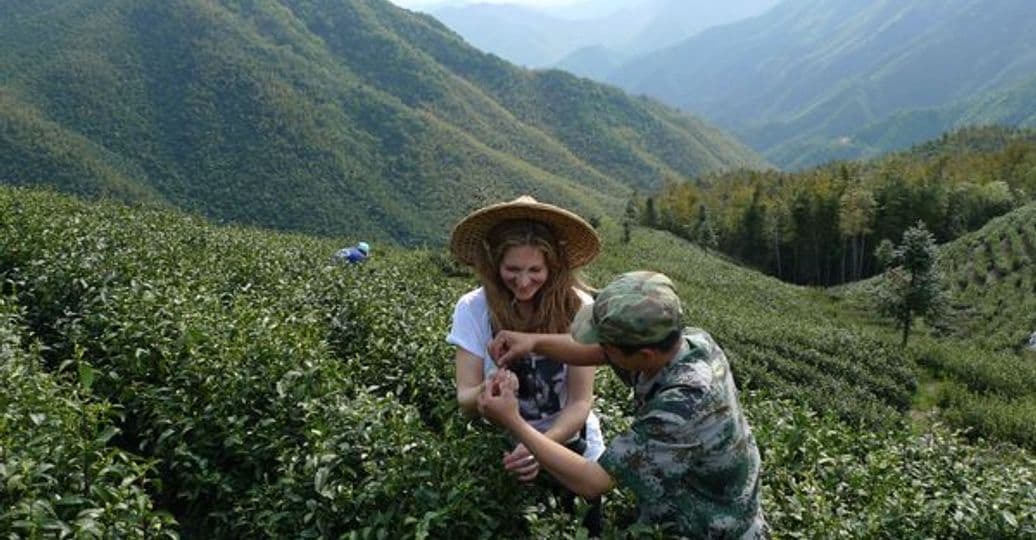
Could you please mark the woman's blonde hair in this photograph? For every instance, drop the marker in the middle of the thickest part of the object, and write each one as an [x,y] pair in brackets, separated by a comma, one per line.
[555,304]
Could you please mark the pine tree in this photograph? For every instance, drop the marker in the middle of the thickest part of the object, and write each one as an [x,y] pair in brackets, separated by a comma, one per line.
[630,218]
[704,234]
[650,214]
[911,285]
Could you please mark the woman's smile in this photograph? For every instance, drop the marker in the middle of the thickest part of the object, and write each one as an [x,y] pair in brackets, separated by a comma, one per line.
[523,270]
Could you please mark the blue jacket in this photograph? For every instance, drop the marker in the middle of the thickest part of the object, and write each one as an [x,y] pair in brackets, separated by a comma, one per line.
[350,255]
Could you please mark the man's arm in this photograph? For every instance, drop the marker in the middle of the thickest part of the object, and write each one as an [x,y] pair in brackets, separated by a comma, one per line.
[575,472]
[509,346]
[578,474]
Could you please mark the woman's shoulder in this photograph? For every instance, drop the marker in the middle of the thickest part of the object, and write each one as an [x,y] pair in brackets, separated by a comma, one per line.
[473,299]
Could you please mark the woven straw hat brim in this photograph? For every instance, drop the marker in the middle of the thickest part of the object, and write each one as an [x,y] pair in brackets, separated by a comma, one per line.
[577,239]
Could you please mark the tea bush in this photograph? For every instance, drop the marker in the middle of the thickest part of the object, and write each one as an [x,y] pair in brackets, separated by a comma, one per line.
[990,394]
[829,479]
[262,392]
[59,475]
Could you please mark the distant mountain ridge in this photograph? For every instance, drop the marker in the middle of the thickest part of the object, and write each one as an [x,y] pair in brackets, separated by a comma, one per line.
[584,39]
[1014,105]
[531,37]
[798,81]
[324,116]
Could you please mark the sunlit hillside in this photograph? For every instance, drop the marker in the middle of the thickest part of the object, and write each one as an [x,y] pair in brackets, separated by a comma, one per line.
[234,383]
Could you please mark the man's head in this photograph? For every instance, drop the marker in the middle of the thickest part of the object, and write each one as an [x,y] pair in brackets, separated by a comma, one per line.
[364,248]
[639,310]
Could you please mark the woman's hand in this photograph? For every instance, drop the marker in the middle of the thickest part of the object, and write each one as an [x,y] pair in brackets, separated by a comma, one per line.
[503,380]
[521,463]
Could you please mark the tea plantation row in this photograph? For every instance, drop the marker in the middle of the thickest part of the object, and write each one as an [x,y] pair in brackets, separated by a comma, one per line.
[235,384]
[991,274]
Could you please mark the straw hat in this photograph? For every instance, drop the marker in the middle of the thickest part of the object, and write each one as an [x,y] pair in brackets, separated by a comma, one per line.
[576,237]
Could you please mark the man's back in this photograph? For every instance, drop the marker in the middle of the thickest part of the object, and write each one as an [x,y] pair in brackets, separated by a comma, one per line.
[690,456]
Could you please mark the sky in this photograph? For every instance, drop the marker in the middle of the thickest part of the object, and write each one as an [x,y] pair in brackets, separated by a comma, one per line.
[418,4]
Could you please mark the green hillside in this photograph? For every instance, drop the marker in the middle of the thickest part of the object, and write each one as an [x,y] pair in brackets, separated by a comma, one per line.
[979,371]
[256,390]
[803,82]
[321,116]
[992,276]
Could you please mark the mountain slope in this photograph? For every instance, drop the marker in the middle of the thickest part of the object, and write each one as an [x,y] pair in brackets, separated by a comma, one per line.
[320,116]
[992,275]
[814,71]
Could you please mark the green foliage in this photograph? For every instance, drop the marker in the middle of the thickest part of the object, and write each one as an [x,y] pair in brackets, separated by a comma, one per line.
[274,394]
[829,480]
[629,218]
[820,226]
[704,234]
[61,476]
[991,393]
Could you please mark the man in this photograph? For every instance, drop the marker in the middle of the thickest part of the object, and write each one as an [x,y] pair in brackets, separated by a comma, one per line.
[354,254]
[689,456]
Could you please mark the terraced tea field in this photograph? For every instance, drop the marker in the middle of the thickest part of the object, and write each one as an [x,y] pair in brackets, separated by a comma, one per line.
[233,383]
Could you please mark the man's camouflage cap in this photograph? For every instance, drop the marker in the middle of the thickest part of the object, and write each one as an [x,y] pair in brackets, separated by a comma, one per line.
[638,308]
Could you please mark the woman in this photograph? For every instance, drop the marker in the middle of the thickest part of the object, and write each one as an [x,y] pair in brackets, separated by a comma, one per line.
[524,253]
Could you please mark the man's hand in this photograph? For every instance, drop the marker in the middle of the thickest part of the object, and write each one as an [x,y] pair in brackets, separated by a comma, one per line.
[521,463]
[498,401]
[505,381]
[508,346]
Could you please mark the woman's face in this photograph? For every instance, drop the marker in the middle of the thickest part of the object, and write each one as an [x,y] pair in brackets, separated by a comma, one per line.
[523,270]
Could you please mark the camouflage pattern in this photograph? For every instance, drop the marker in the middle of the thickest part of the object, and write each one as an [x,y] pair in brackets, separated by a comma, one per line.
[690,456]
[638,308]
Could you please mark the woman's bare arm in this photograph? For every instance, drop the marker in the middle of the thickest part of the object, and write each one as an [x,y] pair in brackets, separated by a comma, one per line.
[470,380]
[577,407]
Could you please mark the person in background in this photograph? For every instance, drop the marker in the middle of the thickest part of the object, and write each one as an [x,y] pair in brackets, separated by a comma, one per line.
[353,254]
[524,253]
[689,457]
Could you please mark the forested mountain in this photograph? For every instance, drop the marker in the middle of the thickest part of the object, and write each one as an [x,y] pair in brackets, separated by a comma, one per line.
[325,116]
[589,41]
[800,81]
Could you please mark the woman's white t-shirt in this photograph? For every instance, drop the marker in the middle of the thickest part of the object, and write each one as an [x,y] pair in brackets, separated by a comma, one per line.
[543,382]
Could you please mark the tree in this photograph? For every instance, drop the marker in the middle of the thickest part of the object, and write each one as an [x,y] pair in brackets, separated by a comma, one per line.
[704,234]
[752,238]
[630,218]
[778,228]
[650,214]
[911,285]
[855,215]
